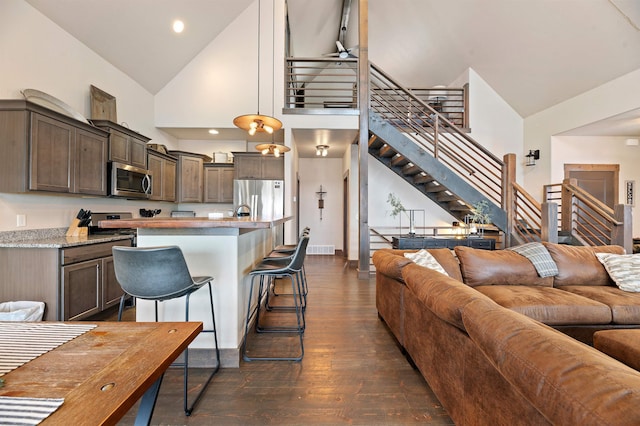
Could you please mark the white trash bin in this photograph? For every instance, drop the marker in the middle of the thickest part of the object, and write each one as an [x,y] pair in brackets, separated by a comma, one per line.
[21,311]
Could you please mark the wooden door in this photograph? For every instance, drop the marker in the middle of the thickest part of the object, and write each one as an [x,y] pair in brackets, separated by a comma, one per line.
[138,153]
[119,149]
[600,180]
[169,180]
[212,185]
[190,178]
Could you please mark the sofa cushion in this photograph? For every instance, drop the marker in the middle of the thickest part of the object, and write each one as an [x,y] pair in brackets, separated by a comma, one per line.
[578,265]
[539,256]
[426,259]
[498,267]
[448,261]
[548,305]
[625,306]
[623,345]
[568,382]
[623,269]
[442,295]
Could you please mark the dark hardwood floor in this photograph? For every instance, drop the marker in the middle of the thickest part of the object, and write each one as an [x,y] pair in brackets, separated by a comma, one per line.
[352,371]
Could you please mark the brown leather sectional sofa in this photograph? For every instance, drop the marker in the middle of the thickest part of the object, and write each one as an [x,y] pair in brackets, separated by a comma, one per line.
[486,337]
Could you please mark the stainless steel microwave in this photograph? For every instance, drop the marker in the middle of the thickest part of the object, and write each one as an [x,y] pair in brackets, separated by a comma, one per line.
[128,181]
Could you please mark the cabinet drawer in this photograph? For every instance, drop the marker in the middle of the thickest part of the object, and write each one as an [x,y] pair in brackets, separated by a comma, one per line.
[90,251]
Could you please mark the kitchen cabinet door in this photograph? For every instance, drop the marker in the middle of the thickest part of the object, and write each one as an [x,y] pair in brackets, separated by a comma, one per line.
[163,172]
[51,155]
[119,147]
[169,180]
[218,184]
[90,164]
[272,168]
[81,289]
[247,166]
[111,290]
[138,152]
[190,179]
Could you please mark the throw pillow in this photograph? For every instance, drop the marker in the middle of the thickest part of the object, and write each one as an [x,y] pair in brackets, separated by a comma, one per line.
[539,256]
[624,269]
[426,259]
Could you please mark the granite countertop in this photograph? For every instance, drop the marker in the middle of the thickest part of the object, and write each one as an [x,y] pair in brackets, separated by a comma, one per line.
[195,222]
[52,238]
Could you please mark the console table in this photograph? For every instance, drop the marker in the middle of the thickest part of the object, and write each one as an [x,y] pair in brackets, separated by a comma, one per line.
[407,243]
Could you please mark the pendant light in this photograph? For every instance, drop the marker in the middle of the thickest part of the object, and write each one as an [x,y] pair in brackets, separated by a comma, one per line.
[254,123]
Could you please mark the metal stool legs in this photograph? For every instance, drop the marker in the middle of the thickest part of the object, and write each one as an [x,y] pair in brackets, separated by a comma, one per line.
[263,289]
[188,409]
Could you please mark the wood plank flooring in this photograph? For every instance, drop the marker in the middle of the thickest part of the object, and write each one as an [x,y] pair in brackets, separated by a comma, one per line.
[352,372]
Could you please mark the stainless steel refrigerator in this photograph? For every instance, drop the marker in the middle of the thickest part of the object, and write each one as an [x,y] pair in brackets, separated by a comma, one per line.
[265,199]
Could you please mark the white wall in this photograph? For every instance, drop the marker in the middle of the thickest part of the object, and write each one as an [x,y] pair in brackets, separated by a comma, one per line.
[328,173]
[610,99]
[383,181]
[35,53]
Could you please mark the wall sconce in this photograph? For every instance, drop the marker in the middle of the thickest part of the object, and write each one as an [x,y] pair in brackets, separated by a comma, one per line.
[321,194]
[322,150]
[531,157]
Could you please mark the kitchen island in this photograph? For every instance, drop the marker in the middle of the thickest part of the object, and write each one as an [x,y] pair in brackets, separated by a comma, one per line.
[226,249]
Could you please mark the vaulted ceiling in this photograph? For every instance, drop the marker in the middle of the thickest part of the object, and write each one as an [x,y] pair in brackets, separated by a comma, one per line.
[534,53]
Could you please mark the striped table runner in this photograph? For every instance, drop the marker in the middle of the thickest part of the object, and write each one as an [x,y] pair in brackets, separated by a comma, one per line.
[20,342]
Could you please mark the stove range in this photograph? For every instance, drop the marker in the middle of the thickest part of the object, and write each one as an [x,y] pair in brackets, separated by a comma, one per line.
[97,217]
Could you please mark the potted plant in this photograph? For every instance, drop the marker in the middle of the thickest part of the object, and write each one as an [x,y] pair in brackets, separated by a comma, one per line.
[480,216]
[398,208]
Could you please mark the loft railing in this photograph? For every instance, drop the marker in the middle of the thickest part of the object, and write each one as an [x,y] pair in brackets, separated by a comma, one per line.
[329,86]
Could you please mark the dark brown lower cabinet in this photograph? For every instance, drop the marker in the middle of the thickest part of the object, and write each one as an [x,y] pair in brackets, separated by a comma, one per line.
[74,282]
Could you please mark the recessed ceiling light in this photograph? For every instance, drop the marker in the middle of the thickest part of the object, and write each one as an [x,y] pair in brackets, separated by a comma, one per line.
[178,26]
[213,131]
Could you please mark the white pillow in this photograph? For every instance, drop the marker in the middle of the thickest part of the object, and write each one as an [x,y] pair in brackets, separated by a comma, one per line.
[624,269]
[426,259]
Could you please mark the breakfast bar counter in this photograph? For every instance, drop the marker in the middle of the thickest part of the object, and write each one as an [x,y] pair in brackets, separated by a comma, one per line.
[226,249]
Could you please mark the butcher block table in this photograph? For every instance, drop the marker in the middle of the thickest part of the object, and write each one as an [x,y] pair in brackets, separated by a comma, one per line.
[102,373]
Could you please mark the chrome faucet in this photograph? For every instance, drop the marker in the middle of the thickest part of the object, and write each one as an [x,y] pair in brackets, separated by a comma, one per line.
[243,210]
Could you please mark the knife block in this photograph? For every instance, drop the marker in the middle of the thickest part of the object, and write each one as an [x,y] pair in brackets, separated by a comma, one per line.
[77,231]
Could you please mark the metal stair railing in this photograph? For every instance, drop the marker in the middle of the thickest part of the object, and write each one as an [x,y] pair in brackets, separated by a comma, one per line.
[436,134]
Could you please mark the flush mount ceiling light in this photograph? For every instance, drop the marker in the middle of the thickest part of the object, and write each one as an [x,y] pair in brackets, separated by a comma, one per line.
[274,149]
[322,150]
[254,123]
[178,26]
[213,132]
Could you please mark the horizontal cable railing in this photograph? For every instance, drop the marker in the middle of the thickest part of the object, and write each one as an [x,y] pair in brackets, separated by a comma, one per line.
[436,134]
[321,83]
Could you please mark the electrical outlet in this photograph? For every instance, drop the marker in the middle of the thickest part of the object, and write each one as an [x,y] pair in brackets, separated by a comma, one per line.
[21,220]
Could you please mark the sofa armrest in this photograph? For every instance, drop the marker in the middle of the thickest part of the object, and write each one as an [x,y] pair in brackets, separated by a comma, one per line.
[567,381]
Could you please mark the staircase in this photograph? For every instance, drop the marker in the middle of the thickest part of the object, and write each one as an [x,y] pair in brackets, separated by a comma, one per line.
[419,134]
[421,145]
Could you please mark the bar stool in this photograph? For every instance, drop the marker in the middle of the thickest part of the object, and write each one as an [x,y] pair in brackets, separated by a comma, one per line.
[284,253]
[159,274]
[265,272]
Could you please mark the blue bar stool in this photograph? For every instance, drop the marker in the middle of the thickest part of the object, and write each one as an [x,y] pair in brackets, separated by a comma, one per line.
[159,274]
[265,272]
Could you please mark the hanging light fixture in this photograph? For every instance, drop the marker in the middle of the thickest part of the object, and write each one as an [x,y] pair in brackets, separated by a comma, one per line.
[254,123]
[322,150]
[274,149]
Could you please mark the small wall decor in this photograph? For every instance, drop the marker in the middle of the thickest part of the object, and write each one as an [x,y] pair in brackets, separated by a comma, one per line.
[321,194]
[630,192]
